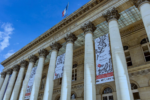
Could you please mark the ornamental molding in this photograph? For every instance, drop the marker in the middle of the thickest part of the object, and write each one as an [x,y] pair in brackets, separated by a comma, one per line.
[3,74]
[138,3]
[33,58]
[23,63]
[111,14]
[70,38]
[88,27]
[9,71]
[43,53]
[16,68]
[138,73]
[56,46]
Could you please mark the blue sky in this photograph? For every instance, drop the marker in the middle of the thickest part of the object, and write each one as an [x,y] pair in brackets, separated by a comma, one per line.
[21,21]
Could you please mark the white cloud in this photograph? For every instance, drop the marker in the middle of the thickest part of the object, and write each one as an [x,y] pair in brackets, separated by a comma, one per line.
[11,52]
[5,35]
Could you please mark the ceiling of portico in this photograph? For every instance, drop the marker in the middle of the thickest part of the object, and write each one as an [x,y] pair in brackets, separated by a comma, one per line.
[128,17]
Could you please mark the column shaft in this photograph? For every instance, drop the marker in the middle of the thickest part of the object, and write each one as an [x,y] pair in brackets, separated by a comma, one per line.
[18,84]
[25,83]
[89,69]
[38,75]
[119,63]
[4,86]
[48,93]
[145,12]
[1,81]
[10,86]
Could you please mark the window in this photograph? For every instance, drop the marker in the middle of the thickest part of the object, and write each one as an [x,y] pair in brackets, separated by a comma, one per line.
[73,96]
[127,55]
[146,48]
[74,72]
[135,91]
[59,81]
[107,94]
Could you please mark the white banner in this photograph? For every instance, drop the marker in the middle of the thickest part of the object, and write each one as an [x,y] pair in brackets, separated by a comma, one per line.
[104,70]
[59,66]
[30,83]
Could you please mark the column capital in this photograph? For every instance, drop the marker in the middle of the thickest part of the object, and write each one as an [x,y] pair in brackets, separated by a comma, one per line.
[55,46]
[23,63]
[33,58]
[111,14]
[88,27]
[16,68]
[70,38]
[138,3]
[3,74]
[9,71]
[43,53]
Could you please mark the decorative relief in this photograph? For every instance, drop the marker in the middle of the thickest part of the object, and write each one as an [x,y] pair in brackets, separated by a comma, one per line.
[55,46]
[9,71]
[111,14]
[142,72]
[137,3]
[16,68]
[3,74]
[88,27]
[70,38]
[43,53]
[23,63]
[33,58]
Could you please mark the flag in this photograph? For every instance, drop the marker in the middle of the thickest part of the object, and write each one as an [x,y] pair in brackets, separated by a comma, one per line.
[65,10]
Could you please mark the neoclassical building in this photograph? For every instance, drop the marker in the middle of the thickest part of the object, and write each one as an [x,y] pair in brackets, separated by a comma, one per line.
[128,24]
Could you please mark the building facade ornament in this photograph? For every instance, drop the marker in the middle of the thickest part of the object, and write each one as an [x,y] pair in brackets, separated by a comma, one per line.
[142,72]
[16,68]
[88,27]
[138,3]
[55,46]
[111,14]
[23,63]
[3,74]
[70,38]
[33,58]
[43,53]
[9,71]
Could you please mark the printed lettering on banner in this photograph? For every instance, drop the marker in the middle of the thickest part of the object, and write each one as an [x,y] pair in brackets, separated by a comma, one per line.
[30,83]
[59,66]
[104,69]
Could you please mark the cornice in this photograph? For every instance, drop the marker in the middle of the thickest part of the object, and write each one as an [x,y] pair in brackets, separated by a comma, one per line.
[56,28]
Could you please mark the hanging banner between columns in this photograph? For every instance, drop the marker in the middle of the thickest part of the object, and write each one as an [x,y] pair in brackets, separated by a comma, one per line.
[104,70]
[30,83]
[59,66]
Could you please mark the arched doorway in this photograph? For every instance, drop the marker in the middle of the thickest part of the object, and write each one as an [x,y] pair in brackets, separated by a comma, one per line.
[135,91]
[107,94]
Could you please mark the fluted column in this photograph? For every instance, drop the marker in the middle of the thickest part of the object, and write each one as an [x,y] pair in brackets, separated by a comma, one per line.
[67,74]
[3,74]
[122,82]
[144,7]
[89,68]
[32,60]
[11,83]
[15,93]
[48,93]
[38,74]
[5,84]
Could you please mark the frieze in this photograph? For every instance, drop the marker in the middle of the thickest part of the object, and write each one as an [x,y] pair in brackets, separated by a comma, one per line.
[142,72]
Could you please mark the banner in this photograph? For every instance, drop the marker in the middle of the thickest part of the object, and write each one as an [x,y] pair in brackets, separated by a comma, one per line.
[30,83]
[104,70]
[59,66]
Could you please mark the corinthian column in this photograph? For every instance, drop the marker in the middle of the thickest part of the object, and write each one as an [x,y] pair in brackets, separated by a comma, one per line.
[119,63]
[50,75]
[3,74]
[67,74]
[32,60]
[89,68]
[11,83]
[19,80]
[5,84]
[38,74]
[144,7]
